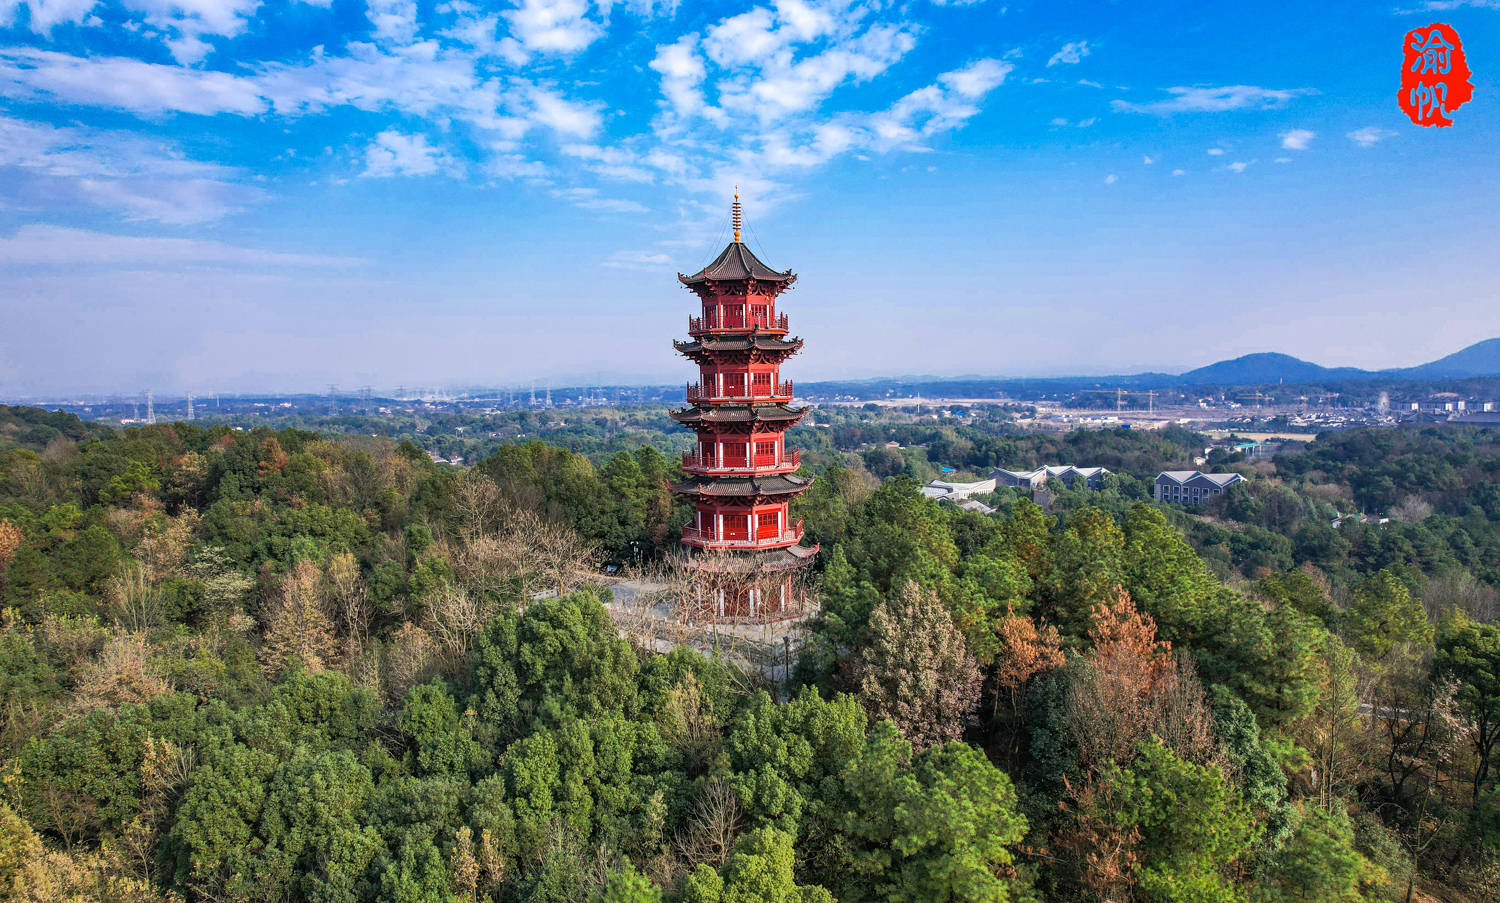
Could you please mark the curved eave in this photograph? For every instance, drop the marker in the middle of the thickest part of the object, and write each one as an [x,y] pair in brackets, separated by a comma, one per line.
[734,415]
[737,263]
[746,343]
[752,487]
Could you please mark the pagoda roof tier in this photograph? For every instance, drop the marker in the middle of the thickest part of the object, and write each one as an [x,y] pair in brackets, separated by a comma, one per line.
[743,487]
[740,344]
[774,414]
[737,263]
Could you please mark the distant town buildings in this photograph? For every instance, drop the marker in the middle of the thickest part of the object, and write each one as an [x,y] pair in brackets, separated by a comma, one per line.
[1093,477]
[1192,487]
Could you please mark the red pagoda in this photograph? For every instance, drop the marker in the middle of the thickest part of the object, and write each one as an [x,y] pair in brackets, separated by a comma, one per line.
[741,477]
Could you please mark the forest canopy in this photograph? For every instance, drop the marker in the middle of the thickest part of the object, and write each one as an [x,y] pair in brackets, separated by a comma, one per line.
[284,665]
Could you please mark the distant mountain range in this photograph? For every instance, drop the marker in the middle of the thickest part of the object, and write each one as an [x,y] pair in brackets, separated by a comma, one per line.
[1264,369]
[1479,359]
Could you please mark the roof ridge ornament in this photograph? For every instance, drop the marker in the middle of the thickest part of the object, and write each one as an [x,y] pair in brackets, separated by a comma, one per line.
[736,216]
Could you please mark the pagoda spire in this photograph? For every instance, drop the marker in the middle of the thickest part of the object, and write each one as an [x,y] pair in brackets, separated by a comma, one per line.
[736,215]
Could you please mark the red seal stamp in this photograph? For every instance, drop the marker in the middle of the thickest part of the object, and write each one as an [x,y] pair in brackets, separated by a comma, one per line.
[1434,75]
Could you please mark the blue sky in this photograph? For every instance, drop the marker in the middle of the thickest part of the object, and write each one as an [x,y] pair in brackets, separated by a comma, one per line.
[226,195]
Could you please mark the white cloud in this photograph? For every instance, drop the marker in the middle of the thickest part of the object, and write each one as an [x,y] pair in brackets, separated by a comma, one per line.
[47,14]
[589,199]
[1445,5]
[1282,160]
[1297,139]
[977,78]
[186,22]
[682,73]
[611,162]
[638,260]
[1369,135]
[1111,179]
[395,21]
[395,154]
[746,38]
[760,82]
[1238,166]
[1215,100]
[1179,172]
[780,86]
[564,116]
[58,246]
[1148,159]
[124,84]
[1215,152]
[137,177]
[1071,52]
[553,26]
[939,107]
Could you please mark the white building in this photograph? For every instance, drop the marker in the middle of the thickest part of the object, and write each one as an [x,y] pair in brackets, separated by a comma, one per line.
[955,492]
[1093,477]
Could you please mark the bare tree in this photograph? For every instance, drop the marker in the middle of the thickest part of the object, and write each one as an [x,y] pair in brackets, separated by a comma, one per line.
[348,601]
[708,836]
[298,625]
[134,601]
[453,619]
[122,674]
[525,552]
[408,661]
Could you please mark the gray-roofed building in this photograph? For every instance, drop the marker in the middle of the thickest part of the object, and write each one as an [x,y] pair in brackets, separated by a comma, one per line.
[1093,477]
[1192,487]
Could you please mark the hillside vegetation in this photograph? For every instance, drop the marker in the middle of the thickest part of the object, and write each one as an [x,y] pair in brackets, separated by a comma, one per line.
[277,666]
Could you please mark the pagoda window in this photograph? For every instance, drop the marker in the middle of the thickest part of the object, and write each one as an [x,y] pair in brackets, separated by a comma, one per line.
[734,455]
[766,526]
[762,384]
[734,385]
[736,526]
[734,316]
[759,315]
[765,453]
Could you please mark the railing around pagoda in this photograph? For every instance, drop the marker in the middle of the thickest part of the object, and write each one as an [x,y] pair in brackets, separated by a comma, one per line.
[767,392]
[713,323]
[709,540]
[692,461]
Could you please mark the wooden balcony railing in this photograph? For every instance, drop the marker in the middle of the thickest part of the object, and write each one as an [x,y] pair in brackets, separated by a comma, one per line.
[693,461]
[774,392]
[699,325]
[768,539]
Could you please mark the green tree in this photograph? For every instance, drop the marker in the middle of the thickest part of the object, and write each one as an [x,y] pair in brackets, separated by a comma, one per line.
[626,885]
[759,871]
[937,827]
[1470,652]
[1319,862]
[1191,823]
[1382,615]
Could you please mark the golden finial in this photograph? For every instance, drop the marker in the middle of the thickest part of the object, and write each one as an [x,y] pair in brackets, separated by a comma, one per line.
[736,217]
